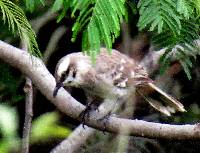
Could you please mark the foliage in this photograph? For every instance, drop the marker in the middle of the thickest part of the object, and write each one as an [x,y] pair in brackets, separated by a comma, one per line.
[8,85]
[17,22]
[99,20]
[46,126]
[8,114]
[174,24]
[192,115]
[32,4]
[8,128]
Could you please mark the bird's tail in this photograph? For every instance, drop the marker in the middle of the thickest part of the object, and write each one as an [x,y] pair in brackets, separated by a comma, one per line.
[160,100]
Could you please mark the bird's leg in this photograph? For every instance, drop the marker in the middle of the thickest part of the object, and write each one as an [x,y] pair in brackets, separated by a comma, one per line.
[113,108]
[105,120]
[90,106]
[85,114]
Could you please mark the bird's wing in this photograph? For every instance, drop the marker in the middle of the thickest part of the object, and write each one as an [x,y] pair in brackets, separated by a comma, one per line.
[159,99]
[122,70]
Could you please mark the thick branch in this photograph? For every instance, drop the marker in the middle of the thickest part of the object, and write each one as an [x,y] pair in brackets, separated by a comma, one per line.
[45,82]
[80,135]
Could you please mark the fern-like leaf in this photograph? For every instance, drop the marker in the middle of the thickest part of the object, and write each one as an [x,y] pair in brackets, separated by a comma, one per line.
[102,20]
[157,15]
[184,8]
[174,25]
[32,4]
[182,47]
[17,22]
[196,6]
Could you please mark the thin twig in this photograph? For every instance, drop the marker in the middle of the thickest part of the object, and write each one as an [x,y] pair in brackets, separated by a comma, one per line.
[28,116]
[28,89]
[45,82]
[126,38]
[40,21]
[53,42]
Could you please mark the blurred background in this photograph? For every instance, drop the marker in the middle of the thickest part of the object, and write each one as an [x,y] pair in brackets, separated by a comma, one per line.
[50,126]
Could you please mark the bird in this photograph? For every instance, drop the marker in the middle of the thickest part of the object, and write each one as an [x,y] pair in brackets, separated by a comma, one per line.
[112,76]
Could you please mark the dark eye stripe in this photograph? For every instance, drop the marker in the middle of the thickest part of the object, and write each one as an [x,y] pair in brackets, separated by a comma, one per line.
[67,71]
[74,73]
[64,75]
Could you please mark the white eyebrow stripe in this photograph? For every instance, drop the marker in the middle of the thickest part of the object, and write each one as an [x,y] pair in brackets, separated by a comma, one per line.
[63,66]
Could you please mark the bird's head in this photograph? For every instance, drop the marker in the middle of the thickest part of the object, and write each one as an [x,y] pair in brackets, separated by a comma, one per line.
[70,71]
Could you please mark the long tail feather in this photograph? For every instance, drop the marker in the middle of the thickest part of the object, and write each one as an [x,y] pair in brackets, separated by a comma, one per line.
[166,103]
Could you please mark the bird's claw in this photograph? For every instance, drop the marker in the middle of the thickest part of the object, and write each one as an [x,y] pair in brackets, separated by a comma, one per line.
[105,120]
[85,114]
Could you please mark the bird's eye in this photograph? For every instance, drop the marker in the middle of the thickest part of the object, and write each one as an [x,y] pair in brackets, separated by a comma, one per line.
[63,75]
[74,73]
[67,72]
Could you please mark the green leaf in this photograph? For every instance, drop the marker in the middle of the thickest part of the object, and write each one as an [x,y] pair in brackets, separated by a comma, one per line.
[42,1]
[184,8]
[17,22]
[104,28]
[105,11]
[85,43]
[46,126]
[57,5]
[156,15]
[65,5]
[30,5]
[165,61]
[102,21]
[186,69]
[132,7]
[8,121]
[80,5]
[93,40]
[196,6]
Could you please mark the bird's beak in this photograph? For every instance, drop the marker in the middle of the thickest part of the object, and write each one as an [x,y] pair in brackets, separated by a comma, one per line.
[57,87]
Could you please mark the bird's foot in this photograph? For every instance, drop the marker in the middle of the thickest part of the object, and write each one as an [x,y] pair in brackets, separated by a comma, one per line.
[105,121]
[85,114]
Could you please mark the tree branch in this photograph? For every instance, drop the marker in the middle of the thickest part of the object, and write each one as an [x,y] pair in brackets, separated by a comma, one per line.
[45,82]
[28,89]
[80,135]
[40,21]
[75,140]
[53,42]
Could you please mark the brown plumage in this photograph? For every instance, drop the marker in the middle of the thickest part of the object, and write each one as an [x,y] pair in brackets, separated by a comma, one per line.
[113,76]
